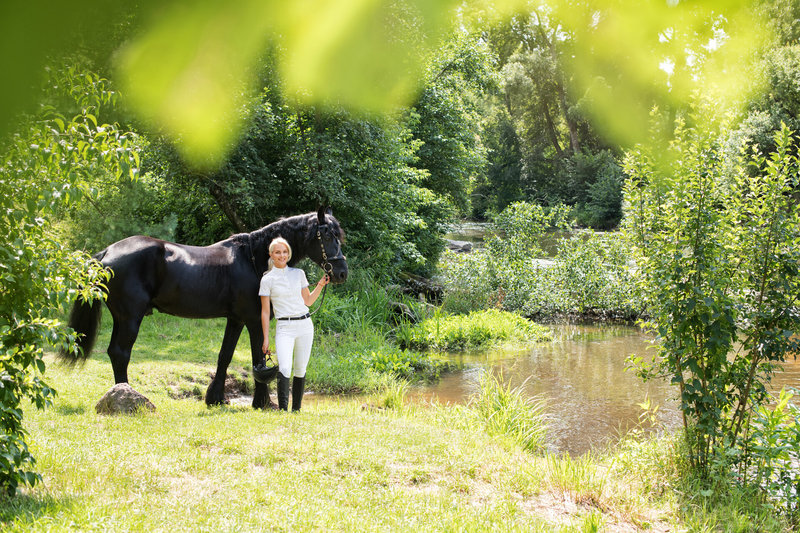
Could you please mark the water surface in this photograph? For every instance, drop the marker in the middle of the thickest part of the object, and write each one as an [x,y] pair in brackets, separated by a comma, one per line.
[591,400]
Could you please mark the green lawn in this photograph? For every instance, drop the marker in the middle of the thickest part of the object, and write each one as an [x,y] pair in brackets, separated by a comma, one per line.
[342,464]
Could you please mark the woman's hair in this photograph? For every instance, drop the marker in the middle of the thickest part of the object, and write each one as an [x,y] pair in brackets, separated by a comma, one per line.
[275,241]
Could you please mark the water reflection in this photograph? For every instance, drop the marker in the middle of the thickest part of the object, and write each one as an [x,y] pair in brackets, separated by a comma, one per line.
[591,400]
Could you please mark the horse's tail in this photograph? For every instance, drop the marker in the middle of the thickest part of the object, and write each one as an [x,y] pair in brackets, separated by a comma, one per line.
[84,319]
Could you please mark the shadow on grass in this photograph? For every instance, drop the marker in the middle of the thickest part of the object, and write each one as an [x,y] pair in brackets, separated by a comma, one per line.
[67,409]
[24,509]
[164,337]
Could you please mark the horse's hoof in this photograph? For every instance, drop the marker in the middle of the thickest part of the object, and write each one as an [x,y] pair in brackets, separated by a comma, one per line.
[215,395]
[265,406]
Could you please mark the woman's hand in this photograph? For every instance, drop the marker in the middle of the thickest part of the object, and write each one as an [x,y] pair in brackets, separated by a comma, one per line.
[324,280]
[265,347]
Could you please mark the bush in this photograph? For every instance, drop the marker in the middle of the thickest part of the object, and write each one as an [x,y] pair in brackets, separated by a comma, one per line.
[592,273]
[719,259]
[405,364]
[477,329]
[42,169]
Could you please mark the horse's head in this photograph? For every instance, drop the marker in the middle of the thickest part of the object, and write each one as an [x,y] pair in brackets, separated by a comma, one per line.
[325,247]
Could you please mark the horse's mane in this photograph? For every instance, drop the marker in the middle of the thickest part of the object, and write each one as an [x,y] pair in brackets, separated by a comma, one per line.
[297,229]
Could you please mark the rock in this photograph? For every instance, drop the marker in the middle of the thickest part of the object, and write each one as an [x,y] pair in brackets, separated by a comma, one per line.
[402,313]
[122,398]
[459,246]
[416,285]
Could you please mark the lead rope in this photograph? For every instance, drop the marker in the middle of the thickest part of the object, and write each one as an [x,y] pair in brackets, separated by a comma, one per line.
[327,268]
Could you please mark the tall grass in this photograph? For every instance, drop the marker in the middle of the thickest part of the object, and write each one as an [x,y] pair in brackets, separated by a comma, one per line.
[506,412]
[474,330]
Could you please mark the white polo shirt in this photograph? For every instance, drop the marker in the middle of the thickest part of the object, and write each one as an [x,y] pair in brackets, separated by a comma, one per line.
[283,286]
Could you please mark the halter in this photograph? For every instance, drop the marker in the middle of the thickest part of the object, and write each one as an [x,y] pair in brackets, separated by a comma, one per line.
[326,265]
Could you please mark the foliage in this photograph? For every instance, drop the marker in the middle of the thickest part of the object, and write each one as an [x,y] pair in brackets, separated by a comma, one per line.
[446,119]
[599,193]
[44,168]
[503,182]
[129,207]
[778,103]
[590,274]
[719,263]
[477,329]
[293,158]
[774,442]
[405,364]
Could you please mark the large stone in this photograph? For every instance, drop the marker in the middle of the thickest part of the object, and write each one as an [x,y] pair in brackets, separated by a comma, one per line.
[123,399]
[462,247]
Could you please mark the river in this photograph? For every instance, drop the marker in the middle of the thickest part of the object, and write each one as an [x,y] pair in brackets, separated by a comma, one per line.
[590,399]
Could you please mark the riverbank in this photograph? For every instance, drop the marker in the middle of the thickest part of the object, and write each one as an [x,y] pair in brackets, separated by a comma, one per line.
[374,462]
[341,464]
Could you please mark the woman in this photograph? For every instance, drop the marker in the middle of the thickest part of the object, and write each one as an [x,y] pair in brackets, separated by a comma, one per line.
[287,289]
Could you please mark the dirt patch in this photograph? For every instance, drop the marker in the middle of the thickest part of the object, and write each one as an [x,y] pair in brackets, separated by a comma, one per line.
[238,386]
[562,510]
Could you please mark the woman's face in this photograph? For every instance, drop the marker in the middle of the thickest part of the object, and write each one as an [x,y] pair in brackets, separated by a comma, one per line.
[279,255]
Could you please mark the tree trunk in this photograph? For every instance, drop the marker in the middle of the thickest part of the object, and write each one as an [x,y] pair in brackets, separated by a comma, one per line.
[227,207]
[572,126]
[551,130]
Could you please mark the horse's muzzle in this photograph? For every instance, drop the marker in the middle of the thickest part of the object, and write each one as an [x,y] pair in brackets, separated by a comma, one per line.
[338,273]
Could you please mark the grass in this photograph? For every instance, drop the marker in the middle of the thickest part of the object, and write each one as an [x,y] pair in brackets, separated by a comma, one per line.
[345,463]
[504,411]
[474,330]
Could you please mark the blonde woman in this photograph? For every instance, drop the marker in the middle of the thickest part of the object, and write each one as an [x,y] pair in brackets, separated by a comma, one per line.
[287,289]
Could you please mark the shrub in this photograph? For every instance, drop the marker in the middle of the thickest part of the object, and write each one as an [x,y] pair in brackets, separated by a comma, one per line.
[479,328]
[719,261]
[405,364]
[42,169]
[591,273]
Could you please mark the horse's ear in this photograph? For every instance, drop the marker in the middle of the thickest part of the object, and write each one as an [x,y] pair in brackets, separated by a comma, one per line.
[321,214]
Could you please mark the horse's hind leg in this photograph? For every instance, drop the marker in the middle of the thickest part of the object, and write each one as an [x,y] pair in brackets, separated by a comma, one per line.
[215,394]
[123,336]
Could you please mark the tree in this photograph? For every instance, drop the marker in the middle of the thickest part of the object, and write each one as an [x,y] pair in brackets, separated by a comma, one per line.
[44,167]
[560,154]
[719,261]
[446,119]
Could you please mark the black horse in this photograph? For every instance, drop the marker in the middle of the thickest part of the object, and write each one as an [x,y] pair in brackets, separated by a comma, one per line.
[220,280]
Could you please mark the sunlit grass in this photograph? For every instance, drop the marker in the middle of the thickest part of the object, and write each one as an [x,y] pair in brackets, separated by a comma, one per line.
[368,463]
[474,330]
[505,411]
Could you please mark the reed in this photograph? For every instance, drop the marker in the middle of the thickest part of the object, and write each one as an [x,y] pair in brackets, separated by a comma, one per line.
[506,412]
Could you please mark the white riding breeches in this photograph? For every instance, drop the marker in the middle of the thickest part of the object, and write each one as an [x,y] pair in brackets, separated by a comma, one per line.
[293,340]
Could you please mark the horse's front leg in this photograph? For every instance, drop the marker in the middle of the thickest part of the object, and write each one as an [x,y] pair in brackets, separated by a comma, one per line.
[215,395]
[261,399]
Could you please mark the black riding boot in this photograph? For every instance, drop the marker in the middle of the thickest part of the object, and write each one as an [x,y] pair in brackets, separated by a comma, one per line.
[283,392]
[298,387]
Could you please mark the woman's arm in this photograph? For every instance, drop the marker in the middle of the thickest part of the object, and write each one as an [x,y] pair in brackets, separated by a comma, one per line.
[265,323]
[310,297]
